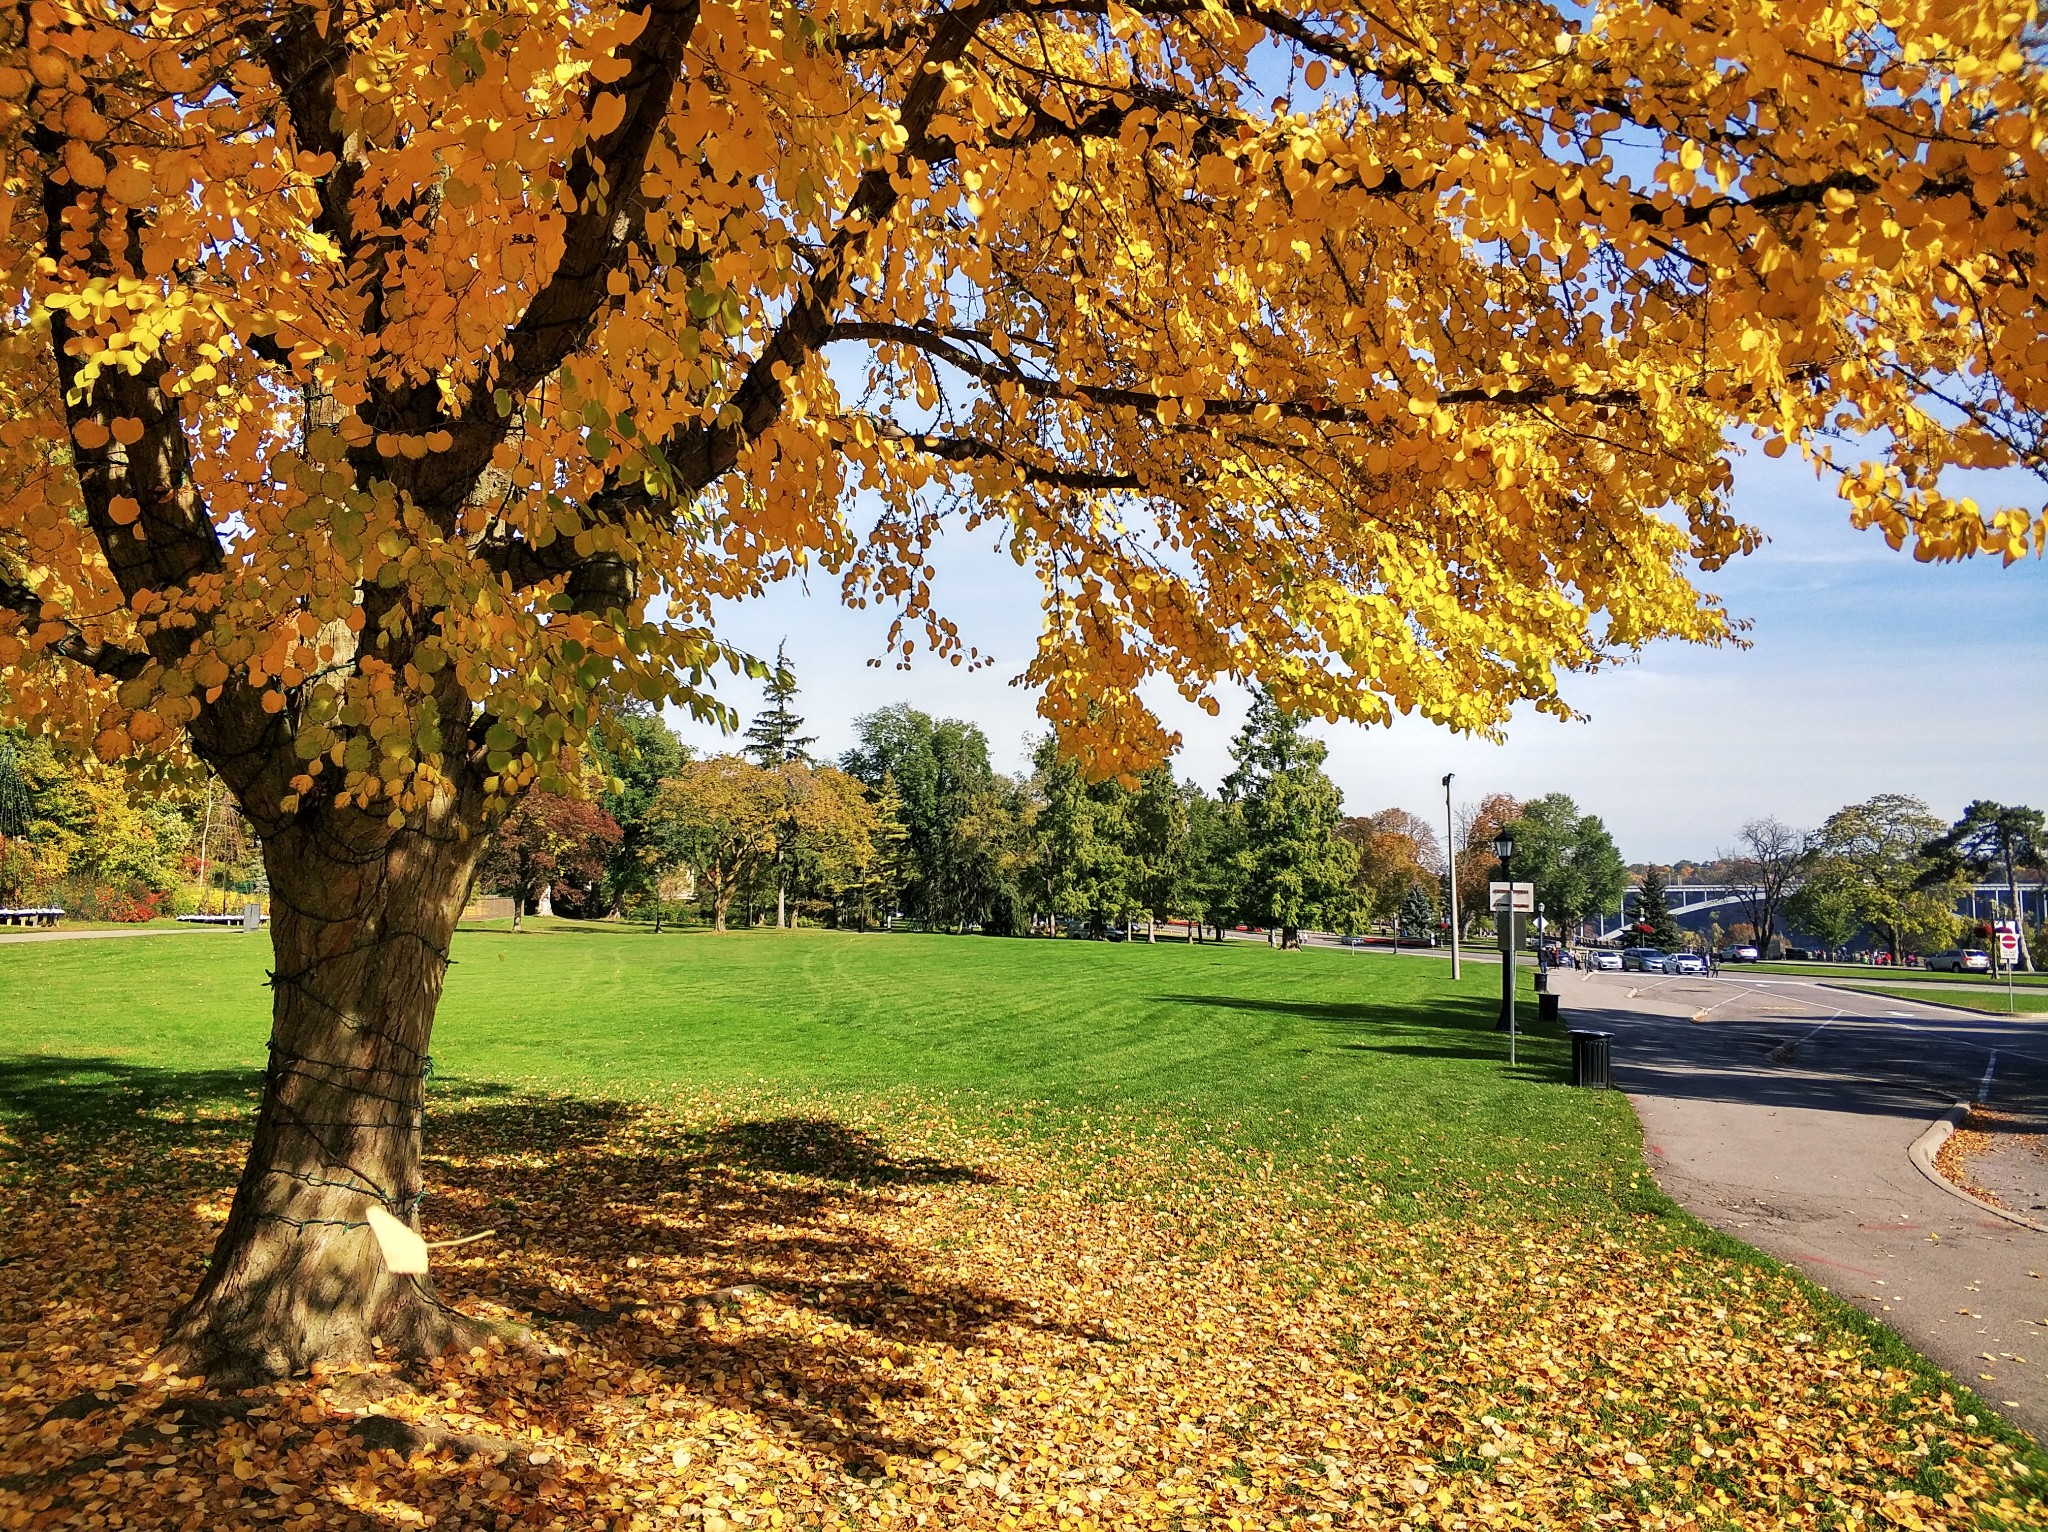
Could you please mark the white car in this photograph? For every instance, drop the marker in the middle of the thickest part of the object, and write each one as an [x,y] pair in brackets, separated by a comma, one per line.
[1685,962]
[1606,962]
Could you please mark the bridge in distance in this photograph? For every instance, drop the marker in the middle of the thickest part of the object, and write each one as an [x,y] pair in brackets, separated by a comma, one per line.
[1697,905]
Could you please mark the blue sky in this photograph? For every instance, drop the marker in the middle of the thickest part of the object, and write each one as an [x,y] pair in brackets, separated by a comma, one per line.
[1867,673]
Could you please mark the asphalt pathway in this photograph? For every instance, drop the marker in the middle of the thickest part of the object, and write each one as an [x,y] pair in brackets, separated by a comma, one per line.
[1781,1110]
[60,934]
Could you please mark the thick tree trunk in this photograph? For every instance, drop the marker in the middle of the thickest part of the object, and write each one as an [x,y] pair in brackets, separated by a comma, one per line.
[2025,962]
[361,918]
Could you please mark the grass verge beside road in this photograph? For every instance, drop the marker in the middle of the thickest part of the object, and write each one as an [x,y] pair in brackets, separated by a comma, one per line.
[2024,1002]
[1862,971]
[1044,1233]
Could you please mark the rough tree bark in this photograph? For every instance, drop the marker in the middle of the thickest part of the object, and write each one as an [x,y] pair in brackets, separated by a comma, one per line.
[361,918]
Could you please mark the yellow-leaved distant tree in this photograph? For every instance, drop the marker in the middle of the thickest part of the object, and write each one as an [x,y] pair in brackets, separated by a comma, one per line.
[386,385]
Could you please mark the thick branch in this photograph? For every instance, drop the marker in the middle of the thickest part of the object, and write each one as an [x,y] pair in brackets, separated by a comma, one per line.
[703,453]
[969,449]
[104,659]
[984,369]
[604,179]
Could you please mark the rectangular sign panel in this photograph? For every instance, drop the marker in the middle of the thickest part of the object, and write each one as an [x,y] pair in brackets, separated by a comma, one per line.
[1523,895]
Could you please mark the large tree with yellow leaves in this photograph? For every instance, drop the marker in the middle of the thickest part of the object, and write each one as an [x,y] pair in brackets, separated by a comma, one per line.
[386,385]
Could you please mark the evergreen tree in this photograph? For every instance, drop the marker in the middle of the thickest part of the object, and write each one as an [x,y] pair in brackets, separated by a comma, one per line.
[776,734]
[775,739]
[1210,889]
[1418,913]
[1654,914]
[1296,872]
[1109,851]
[890,867]
[642,752]
[1989,839]
[1159,846]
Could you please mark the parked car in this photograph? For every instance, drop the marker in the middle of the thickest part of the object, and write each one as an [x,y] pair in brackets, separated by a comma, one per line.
[1960,960]
[1740,953]
[1606,962]
[1642,960]
[1685,962]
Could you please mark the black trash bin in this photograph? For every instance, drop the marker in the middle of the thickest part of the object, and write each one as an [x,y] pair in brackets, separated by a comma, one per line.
[1592,1059]
[1546,1008]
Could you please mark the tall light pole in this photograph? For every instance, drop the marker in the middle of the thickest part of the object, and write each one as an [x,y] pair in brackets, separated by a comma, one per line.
[1504,848]
[1451,862]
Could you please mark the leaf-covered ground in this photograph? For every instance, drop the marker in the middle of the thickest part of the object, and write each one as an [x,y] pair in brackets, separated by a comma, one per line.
[944,1318]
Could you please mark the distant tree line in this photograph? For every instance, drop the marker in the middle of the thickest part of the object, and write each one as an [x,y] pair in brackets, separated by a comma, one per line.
[914,823]
[91,840]
[1888,871]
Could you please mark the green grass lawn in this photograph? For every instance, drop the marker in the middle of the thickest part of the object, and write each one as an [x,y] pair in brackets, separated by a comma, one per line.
[1305,1053]
[1112,1234]
[2023,1002]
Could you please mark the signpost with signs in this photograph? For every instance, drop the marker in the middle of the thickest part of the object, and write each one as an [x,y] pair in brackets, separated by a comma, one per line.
[1520,898]
[2005,946]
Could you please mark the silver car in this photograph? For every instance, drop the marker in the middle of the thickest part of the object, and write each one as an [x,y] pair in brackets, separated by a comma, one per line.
[1642,959]
[1960,960]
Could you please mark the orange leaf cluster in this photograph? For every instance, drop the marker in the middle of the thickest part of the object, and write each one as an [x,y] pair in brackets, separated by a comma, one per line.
[388,379]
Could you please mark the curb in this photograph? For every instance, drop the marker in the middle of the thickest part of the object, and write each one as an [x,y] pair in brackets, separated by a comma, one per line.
[1923,1150]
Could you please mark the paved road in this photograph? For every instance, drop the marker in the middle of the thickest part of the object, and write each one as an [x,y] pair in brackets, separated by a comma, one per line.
[1780,1111]
[24,937]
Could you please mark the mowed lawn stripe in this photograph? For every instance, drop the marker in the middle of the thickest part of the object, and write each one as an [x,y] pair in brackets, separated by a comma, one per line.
[1317,1051]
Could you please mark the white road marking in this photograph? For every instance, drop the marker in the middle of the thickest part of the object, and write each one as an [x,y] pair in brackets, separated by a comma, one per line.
[1984,1090]
[1905,1019]
[1784,1051]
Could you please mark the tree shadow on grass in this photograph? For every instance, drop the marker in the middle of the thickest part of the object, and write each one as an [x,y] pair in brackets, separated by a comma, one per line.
[824,1147]
[84,1093]
[1452,1027]
[622,1234]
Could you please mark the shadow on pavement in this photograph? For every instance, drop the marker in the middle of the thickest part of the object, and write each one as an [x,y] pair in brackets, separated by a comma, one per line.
[1869,1065]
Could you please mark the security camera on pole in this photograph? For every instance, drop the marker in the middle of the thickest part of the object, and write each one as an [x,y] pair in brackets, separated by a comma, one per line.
[1508,899]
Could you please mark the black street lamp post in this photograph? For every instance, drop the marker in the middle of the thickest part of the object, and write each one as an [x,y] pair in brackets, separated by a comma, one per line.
[1504,848]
